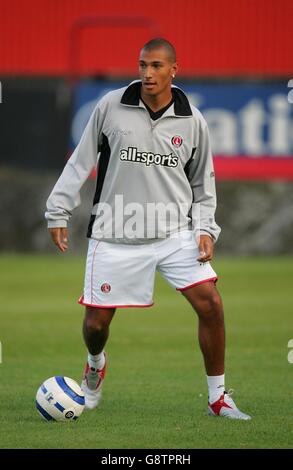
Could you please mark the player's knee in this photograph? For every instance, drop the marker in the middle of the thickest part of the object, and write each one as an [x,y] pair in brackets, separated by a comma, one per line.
[95,326]
[211,307]
[95,321]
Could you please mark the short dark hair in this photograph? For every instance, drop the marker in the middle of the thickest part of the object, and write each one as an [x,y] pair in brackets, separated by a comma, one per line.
[157,43]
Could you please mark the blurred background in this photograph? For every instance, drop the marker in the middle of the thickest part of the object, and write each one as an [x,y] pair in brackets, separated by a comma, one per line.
[57,57]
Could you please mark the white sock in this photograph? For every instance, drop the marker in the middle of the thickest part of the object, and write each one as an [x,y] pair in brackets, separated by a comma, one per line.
[216,387]
[96,361]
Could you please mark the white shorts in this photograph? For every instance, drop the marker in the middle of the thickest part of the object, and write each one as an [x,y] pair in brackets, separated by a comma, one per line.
[121,275]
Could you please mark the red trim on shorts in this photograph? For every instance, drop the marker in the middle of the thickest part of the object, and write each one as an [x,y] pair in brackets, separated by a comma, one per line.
[197,283]
[81,302]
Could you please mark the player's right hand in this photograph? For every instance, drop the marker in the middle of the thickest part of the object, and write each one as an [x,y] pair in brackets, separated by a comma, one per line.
[60,237]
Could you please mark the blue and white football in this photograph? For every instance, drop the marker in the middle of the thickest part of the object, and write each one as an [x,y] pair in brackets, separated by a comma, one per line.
[60,399]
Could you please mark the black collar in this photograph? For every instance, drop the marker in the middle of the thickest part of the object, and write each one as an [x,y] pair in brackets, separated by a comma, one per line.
[131,97]
[157,114]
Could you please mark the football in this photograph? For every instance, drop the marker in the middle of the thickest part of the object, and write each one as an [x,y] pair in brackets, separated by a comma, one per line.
[60,399]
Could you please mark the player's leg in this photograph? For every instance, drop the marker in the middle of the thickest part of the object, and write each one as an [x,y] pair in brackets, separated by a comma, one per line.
[116,276]
[178,264]
[96,328]
[206,301]
[95,332]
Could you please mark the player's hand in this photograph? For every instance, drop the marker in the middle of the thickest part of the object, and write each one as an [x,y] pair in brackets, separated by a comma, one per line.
[60,237]
[206,248]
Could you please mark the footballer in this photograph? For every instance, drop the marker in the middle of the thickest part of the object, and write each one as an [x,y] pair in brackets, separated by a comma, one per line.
[154,157]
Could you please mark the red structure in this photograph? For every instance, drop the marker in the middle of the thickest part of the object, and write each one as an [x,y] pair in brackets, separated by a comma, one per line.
[212,37]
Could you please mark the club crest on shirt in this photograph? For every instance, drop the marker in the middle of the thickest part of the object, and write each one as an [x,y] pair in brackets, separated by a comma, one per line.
[105,287]
[177,141]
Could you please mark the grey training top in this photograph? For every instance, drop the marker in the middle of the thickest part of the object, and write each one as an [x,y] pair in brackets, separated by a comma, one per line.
[154,178]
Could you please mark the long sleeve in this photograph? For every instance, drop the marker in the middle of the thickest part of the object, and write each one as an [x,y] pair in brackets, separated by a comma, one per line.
[65,196]
[200,173]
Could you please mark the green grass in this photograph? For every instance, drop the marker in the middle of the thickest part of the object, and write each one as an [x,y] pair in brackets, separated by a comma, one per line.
[154,394]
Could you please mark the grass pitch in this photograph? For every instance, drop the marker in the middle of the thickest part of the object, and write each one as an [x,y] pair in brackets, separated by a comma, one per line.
[155,394]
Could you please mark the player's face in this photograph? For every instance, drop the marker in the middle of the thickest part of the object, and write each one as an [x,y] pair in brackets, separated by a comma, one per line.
[155,71]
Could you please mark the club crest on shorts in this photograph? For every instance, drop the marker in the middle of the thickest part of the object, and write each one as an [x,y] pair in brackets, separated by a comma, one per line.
[177,141]
[105,287]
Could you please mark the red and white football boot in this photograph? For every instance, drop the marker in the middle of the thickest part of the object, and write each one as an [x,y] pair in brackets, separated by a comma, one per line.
[91,385]
[226,408]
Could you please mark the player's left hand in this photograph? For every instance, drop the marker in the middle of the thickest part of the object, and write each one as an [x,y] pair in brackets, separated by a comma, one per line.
[206,248]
